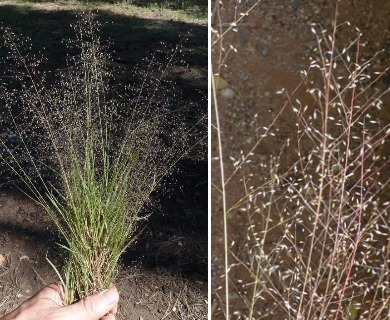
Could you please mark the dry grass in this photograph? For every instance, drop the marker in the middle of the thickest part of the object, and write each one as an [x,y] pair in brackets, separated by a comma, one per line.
[89,152]
[166,295]
[9,285]
[7,295]
[318,226]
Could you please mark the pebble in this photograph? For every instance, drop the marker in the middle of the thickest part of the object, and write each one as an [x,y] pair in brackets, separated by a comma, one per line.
[263,50]
[244,75]
[13,137]
[296,4]
[227,93]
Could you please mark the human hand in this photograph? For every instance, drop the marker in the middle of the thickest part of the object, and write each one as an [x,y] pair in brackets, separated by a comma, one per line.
[48,304]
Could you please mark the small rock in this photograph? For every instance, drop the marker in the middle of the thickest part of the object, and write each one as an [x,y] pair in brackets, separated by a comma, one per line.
[220,83]
[19,295]
[227,93]
[13,137]
[296,4]
[249,140]
[244,75]
[263,50]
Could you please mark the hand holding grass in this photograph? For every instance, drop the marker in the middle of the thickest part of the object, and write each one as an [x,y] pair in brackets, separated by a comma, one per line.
[49,304]
[99,156]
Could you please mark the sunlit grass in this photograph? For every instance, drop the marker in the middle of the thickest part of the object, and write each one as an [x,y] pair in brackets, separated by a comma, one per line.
[316,244]
[90,153]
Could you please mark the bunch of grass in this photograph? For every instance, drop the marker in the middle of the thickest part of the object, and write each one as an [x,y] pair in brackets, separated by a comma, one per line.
[318,226]
[90,154]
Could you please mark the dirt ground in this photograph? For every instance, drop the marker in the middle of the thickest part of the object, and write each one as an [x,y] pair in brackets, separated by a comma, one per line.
[164,275]
[274,43]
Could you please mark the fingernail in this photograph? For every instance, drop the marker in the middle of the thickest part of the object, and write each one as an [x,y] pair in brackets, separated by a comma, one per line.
[110,296]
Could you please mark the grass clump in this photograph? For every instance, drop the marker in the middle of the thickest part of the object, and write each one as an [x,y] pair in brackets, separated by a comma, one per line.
[91,153]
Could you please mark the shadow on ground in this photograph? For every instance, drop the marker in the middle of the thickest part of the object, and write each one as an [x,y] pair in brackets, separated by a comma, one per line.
[131,39]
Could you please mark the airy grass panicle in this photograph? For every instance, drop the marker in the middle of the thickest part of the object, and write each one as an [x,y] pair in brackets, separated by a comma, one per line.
[318,224]
[329,208]
[91,154]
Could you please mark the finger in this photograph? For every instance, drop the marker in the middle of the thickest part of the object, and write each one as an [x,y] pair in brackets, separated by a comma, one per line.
[49,296]
[94,307]
[115,309]
[112,311]
[108,317]
[56,293]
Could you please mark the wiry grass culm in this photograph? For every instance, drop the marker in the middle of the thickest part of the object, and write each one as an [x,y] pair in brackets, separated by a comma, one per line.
[91,153]
[220,54]
[318,226]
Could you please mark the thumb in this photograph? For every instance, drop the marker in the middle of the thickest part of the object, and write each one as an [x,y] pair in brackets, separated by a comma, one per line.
[94,307]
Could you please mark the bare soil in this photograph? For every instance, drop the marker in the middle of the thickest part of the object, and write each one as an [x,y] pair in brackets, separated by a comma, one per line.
[274,43]
[164,275]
